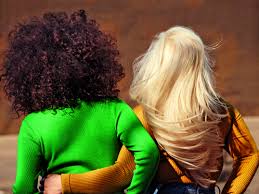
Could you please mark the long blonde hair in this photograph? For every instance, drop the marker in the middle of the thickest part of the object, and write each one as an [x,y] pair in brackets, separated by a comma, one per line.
[173,82]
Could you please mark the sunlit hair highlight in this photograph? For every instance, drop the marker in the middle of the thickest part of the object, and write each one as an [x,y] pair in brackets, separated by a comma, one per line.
[173,81]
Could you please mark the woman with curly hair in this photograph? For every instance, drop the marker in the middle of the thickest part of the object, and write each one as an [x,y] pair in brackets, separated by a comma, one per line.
[61,72]
[174,86]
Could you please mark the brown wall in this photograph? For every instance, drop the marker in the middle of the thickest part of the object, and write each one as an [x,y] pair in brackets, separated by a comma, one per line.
[135,22]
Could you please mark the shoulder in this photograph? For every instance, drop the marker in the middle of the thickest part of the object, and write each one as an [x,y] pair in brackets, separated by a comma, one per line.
[227,108]
[118,105]
[139,111]
[232,111]
[35,118]
[116,109]
[110,103]
[233,122]
[28,129]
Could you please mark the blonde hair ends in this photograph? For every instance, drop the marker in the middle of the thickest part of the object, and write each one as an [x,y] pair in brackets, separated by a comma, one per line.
[174,83]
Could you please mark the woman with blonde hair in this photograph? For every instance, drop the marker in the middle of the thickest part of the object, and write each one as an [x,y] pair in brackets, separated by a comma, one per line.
[192,125]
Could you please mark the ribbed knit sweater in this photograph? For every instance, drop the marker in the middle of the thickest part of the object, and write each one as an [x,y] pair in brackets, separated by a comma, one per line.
[87,138]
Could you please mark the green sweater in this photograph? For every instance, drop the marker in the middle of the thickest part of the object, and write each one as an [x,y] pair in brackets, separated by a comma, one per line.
[86,139]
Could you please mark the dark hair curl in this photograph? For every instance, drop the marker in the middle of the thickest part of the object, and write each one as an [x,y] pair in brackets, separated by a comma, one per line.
[54,61]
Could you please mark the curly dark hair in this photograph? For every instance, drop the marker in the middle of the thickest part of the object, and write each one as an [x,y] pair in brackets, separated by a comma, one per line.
[56,60]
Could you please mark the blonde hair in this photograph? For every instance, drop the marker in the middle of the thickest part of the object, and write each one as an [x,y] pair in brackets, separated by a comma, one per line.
[173,82]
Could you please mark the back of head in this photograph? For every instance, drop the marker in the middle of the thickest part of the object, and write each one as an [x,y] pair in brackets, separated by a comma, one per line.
[55,60]
[173,81]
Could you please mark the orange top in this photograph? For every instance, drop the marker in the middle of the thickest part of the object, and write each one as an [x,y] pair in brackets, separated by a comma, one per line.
[239,144]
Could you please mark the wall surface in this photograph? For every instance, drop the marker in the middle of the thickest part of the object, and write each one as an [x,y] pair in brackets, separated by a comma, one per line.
[134,23]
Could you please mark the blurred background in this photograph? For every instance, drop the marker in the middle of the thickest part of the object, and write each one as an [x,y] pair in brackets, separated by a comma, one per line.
[134,23]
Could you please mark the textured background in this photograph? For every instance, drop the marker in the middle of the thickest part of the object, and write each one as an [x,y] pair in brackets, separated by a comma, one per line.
[135,22]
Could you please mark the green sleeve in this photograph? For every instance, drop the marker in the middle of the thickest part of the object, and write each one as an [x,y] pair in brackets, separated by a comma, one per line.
[28,161]
[135,137]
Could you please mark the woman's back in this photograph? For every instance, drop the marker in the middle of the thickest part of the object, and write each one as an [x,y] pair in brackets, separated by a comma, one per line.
[71,135]
[169,169]
[237,141]
[87,138]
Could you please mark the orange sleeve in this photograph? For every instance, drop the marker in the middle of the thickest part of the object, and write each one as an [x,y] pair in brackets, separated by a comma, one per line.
[106,180]
[138,110]
[242,147]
